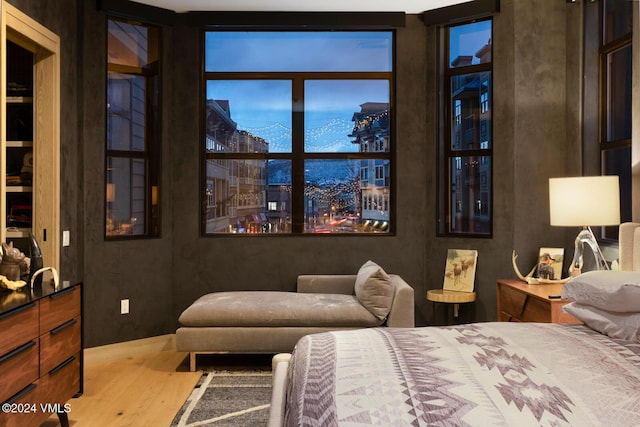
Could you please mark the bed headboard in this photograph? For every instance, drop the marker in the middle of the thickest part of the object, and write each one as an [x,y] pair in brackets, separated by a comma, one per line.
[629,246]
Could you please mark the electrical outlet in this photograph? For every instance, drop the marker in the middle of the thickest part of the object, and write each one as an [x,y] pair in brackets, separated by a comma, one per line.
[124,306]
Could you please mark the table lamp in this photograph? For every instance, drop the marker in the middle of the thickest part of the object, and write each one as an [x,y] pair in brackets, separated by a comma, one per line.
[585,201]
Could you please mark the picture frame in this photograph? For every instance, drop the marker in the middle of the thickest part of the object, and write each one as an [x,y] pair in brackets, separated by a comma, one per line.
[550,262]
[460,270]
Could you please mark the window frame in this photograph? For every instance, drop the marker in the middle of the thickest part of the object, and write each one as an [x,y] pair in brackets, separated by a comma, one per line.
[609,45]
[151,155]
[298,155]
[451,116]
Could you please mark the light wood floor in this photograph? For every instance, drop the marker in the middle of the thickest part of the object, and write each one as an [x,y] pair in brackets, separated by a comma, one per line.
[145,390]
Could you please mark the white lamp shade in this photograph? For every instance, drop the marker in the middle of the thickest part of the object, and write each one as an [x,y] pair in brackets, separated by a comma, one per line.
[584,201]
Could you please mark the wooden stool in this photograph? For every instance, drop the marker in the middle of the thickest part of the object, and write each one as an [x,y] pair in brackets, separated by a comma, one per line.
[449,297]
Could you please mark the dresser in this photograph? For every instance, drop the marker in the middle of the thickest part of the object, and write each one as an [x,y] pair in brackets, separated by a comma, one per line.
[40,354]
[520,302]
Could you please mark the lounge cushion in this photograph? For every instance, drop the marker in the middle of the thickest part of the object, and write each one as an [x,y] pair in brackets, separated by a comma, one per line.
[272,308]
[374,289]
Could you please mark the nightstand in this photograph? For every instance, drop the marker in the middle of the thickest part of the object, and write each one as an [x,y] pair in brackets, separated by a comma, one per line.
[520,302]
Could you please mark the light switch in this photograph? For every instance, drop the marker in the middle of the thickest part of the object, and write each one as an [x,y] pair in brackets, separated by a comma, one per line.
[65,238]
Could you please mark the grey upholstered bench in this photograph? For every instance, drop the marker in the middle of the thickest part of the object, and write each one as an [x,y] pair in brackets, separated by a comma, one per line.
[272,322]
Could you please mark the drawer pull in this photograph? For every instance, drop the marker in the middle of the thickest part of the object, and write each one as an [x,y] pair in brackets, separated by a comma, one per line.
[64,326]
[62,365]
[62,293]
[13,353]
[22,393]
[17,310]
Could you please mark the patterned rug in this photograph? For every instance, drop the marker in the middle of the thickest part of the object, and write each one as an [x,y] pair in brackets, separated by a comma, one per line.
[229,394]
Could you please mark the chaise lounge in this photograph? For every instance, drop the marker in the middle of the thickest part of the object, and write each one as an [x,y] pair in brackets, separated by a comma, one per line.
[273,321]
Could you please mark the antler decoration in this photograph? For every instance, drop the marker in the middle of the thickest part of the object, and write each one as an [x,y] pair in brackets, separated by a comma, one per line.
[529,279]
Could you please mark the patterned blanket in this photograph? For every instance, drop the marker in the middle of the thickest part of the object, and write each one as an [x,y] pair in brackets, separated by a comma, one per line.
[523,374]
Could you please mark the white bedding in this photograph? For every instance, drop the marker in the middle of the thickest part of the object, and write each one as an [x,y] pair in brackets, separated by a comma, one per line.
[485,374]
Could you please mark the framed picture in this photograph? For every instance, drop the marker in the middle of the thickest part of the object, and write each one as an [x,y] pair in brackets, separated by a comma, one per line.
[460,270]
[550,261]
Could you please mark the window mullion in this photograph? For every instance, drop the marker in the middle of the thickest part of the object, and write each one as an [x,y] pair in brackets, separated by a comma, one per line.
[297,167]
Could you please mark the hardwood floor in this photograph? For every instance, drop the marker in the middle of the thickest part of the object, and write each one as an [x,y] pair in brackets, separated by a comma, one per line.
[143,390]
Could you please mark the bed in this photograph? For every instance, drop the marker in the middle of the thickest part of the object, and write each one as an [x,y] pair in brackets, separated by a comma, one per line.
[479,374]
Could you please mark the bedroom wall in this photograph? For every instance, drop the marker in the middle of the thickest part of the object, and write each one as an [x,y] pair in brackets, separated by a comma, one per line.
[546,114]
[206,264]
[534,127]
[531,126]
[535,56]
[139,269]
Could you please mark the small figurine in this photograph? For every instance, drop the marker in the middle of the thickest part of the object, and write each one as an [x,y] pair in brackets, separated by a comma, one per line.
[12,258]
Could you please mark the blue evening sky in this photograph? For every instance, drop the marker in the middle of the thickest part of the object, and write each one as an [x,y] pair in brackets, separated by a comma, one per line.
[298,51]
[468,39]
[263,107]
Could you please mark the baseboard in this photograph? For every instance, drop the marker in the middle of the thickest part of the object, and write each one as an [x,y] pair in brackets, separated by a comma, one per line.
[126,349]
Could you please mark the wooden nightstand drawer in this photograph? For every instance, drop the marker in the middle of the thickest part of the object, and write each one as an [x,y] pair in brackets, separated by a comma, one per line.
[18,326]
[58,308]
[19,368]
[520,302]
[511,303]
[59,344]
[519,306]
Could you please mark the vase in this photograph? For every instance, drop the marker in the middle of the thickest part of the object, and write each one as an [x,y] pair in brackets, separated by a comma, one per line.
[36,260]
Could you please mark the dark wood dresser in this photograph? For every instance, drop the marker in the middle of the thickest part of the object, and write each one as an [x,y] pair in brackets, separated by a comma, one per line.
[40,354]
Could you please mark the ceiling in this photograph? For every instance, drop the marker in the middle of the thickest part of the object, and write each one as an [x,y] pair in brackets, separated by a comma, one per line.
[408,6]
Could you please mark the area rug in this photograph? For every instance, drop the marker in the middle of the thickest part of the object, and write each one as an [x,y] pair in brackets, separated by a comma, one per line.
[229,397]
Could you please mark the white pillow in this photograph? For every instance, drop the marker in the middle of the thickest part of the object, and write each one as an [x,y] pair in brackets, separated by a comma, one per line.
[624,326]
[617,291]
[374,289]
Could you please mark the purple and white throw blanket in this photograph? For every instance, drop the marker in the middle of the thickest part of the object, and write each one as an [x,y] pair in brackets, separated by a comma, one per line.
[485,374]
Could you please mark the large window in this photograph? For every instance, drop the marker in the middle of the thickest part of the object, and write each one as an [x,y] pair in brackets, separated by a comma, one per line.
[132,148]
[297,132]
[615,91]
[466,142]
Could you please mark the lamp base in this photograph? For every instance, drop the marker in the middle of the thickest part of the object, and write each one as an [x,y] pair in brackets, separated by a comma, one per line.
[586,236]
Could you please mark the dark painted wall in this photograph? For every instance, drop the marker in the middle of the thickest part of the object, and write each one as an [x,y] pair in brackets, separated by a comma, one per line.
[535,128]
[138,270]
